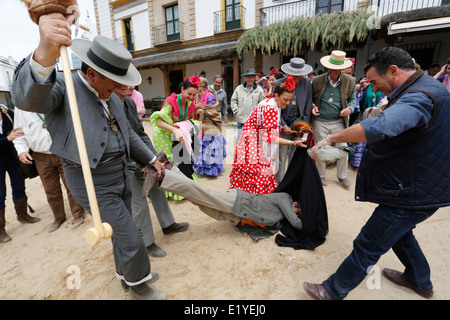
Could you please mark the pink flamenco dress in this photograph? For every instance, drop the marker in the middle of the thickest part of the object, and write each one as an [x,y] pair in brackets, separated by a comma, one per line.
[253,168]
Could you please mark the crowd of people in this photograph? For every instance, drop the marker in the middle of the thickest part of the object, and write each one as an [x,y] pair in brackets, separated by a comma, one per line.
[385,116]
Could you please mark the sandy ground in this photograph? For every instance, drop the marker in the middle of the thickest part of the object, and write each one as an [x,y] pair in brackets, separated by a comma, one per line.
[211,260]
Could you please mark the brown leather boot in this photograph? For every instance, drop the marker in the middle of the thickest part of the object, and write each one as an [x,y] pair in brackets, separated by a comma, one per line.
[4,237]
[21,210]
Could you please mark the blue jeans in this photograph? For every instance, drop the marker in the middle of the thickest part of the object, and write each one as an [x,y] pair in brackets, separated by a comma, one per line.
[388,227]
[7,164]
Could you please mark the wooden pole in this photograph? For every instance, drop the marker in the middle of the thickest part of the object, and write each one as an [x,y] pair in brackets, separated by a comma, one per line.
[101,230]
[93,235]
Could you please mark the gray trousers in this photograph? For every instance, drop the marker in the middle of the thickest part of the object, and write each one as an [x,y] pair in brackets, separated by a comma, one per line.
[140,210]
[216,204]
[114,201]
[321,129]
[285,154]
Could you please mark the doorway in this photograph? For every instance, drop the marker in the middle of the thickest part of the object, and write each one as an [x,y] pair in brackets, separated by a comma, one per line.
[424,54]
[175,79]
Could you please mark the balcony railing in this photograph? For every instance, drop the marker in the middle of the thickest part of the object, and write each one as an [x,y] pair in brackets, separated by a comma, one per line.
[172,31]
[127,42]
[231,18]
[308,8]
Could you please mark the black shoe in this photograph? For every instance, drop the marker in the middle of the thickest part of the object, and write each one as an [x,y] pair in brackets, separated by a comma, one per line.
[155,251]
[144,292]
[175,227]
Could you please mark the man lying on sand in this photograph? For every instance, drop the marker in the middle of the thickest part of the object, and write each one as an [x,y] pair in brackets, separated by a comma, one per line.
[231,205]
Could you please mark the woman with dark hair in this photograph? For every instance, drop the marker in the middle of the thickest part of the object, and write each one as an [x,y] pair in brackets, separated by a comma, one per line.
[443,75]
[254,165]
[178,119]
[8,164]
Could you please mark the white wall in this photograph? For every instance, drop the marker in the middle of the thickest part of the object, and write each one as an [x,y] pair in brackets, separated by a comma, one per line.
[249,18]
[204,17]
[140,22]
[156,88]
[104,18]
[6,76]
[211,68]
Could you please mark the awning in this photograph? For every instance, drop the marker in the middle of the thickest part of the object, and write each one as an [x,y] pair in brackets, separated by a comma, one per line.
[422,25]
[214,51]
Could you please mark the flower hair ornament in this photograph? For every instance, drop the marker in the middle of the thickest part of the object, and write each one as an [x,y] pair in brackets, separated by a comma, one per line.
[194,80]
[289,83]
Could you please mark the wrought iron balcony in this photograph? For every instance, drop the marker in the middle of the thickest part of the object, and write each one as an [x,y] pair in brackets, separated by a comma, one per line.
[308,8]
[171,31]
[231,18]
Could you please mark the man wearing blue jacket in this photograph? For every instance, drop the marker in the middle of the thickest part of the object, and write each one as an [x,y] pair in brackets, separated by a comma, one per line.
[404,170]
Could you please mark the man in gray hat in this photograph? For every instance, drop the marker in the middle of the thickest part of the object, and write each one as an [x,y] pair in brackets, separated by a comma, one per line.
[245,97]
[299,108]
[37,87]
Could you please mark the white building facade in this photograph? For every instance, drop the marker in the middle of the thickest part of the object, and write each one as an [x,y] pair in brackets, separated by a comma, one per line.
[171,40]
[7,66]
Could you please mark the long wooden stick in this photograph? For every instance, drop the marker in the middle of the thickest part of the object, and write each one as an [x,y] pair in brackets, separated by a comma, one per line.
[91,238]
[101,230]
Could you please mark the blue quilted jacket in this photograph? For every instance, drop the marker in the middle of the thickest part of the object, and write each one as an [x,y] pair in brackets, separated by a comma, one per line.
[407,160]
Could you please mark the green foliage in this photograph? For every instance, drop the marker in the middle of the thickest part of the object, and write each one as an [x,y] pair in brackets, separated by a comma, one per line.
[326,32]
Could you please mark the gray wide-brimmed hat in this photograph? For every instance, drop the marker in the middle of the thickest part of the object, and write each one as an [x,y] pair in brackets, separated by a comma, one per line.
[296,67]
[108,58]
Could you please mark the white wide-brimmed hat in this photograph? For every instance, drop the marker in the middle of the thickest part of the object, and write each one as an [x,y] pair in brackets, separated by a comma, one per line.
[336,61]
[296,67]
[108,58]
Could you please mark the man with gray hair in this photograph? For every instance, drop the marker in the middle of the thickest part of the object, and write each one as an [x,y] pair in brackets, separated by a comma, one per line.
[221,96]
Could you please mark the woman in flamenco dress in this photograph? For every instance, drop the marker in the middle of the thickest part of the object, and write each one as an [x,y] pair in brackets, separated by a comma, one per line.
[176,127]
[209,160]
[253,167]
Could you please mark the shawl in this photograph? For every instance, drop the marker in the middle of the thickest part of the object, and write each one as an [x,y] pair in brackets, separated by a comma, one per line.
[302,183]
[210,116]
[186,127]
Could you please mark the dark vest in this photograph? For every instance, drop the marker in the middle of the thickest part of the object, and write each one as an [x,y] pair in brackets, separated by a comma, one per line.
[411,170]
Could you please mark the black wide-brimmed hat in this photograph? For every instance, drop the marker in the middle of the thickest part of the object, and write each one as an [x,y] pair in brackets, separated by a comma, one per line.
[108,58]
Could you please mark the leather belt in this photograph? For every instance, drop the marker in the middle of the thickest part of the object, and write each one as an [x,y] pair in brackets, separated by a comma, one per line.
[112,157]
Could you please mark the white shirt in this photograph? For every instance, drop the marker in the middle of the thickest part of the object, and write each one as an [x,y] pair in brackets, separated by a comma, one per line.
[334,85]
[36,137]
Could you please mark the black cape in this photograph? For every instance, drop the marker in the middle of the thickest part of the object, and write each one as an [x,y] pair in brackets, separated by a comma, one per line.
[302,182]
